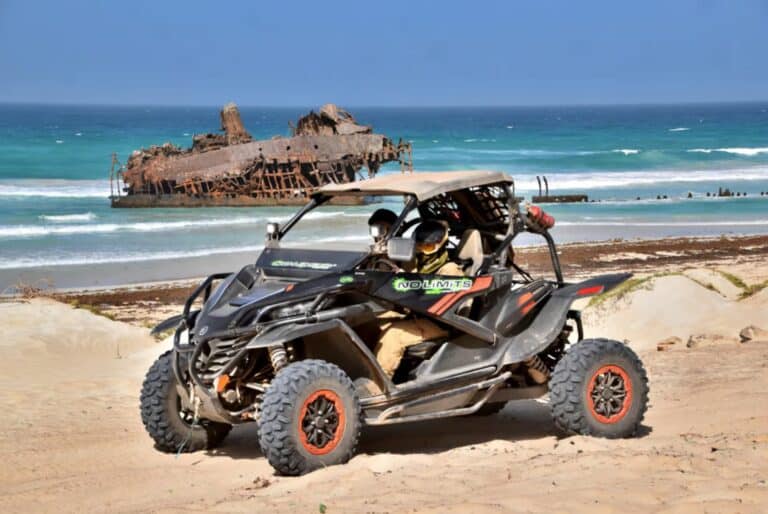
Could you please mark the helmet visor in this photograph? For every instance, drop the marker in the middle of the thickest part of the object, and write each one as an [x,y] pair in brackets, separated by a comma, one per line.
[428,248]
[378,230]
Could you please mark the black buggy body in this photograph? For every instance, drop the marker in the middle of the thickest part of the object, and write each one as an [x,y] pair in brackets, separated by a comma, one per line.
[288,342]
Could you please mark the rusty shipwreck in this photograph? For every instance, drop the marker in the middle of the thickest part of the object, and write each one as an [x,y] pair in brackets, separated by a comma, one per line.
[231,169]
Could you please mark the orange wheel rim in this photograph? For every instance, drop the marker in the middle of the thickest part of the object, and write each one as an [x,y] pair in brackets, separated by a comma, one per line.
[609,394]
[321,422]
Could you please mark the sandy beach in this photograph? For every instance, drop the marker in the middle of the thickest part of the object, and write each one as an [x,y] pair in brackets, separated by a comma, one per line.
[572,199]
[74,440]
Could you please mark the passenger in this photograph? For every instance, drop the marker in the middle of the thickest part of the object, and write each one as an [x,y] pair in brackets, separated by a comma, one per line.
[398,334]
[380,223]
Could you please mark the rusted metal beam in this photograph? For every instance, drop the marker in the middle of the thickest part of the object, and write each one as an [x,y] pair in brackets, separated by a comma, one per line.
[329,146]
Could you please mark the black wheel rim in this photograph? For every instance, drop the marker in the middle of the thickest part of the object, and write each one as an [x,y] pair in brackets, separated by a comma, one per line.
[610,394]
[320,423]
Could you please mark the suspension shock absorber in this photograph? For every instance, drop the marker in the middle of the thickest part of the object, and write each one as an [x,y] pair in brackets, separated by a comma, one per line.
[278,357]
[537,370]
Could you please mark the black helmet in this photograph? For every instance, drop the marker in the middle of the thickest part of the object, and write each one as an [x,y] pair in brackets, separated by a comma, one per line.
[380,223]
[430,236]
[382,216]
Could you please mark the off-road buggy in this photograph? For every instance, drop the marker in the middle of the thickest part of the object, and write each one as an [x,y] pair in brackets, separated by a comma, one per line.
[287,342]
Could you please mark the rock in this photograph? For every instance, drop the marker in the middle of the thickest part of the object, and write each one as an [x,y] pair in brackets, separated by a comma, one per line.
[703,340]
[753,333]
[668,343]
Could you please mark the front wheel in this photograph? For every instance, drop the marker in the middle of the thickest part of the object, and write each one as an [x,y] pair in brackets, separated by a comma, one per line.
[599,388]
[167,421]
[310,418]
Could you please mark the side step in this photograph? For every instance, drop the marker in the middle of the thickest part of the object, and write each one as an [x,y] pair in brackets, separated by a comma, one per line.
[393,415]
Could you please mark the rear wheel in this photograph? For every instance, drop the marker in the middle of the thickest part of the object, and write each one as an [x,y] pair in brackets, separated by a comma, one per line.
[599,388]
[167,421]
[310,418]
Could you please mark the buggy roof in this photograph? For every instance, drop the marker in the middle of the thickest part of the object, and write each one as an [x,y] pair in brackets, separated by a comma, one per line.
[422,185]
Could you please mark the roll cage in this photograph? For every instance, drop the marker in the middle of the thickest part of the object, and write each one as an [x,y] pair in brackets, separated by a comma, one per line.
[492,209]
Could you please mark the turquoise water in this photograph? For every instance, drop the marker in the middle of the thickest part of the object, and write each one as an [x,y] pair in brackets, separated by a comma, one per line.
[54,164]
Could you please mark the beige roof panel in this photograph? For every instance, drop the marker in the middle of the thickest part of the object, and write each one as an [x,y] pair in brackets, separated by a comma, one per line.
[422,185]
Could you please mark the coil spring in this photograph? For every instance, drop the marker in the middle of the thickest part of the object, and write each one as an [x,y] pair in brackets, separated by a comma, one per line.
[278,357]
[537,370]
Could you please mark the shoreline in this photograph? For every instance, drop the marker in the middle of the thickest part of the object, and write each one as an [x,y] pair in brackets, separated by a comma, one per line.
[149,301]
[576,258]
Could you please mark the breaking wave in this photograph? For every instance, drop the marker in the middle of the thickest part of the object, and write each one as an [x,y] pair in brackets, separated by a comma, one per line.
[586,181]
[56,188]
[23,231]
[529,152]
[64,218]
[107,258]
[739,223]
[103,258]
[746,151]
[678,129]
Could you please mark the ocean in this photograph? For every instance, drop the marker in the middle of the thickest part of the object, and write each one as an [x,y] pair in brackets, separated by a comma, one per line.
[55,160]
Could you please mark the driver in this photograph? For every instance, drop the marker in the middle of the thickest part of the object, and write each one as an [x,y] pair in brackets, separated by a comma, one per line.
[380,223]
[431,237]
[398,334]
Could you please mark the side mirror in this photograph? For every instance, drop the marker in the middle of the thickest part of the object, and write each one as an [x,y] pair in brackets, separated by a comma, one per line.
[273,231]
[401,249]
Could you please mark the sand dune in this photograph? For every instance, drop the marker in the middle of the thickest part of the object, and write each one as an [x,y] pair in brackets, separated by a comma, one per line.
[678,306]
[73,440]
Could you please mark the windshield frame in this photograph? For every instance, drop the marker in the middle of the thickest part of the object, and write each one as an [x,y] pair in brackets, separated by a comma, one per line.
[410,204]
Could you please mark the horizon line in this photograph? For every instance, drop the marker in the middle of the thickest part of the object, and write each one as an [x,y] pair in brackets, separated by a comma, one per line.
[390,106]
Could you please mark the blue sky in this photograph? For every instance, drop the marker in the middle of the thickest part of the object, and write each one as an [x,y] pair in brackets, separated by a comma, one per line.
[383,53]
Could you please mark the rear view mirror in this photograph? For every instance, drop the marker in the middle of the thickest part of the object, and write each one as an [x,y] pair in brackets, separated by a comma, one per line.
[401,249]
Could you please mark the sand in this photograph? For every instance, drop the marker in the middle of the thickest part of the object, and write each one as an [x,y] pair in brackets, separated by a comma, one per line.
[73,440]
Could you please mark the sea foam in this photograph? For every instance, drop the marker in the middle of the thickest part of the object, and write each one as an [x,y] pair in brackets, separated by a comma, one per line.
[26,231]
[734,223]
[749,152]
[65,218]
[118,257]
[55,188]
[598,180]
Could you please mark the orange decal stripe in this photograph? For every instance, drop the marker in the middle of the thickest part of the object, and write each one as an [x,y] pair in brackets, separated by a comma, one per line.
[586,291]
[524,299]
[448,301]
[525,310]
[435,308]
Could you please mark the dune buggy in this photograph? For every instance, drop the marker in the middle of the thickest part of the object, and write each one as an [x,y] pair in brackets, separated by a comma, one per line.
[287,342]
